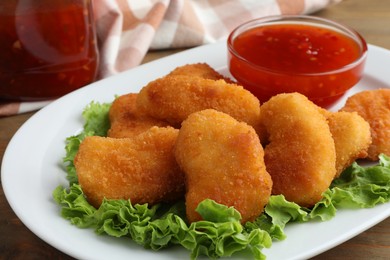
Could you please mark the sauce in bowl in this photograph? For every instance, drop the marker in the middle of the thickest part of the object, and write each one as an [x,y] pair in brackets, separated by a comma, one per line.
[316,60]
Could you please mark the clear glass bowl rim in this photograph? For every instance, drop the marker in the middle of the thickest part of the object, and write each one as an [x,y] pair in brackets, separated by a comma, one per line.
[268,20]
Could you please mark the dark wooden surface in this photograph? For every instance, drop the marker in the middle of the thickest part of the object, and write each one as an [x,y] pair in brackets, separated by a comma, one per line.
[370,17]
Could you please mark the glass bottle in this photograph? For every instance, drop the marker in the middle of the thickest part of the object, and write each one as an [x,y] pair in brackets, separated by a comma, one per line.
[47,48]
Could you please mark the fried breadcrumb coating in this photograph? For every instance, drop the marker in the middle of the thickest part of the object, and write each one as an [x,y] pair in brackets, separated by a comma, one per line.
[174,98]
[126,120]
[374,107]
[351,135]
[142,169]
[202,70]
[300,156]
[222,159]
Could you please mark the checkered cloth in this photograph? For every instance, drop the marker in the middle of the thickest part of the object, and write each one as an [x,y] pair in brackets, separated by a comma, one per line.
[127,29]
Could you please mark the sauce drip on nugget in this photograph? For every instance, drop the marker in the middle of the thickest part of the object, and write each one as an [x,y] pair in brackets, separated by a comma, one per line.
[142,169]
[300,156]
[222,159]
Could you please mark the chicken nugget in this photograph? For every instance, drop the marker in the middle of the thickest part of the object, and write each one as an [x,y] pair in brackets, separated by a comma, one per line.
[374,107]
[351,135]
[126,120]
[300,156]
[142,169]
[202,70]
[222,160]
[174,98]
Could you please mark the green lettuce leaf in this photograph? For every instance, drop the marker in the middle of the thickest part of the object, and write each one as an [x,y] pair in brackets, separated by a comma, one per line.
[212,211]
[74,206]
[278,212]
[363,187]
[97,122]
[219,234]
[357,187]
[96,118]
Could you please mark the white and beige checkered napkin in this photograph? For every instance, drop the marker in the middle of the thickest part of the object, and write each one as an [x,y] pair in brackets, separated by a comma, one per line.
[127,29]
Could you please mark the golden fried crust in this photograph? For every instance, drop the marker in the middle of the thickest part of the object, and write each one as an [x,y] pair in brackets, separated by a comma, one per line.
[174,98]
[222,160]
[374,107]
[202,70]
[301,154]
[142,169]
[351,135]
[126,120]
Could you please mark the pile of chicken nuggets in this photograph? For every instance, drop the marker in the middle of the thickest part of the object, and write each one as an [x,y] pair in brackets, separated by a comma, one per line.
[196,134]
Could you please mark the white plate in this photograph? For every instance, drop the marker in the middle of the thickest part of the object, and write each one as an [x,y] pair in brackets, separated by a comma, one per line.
[32,168]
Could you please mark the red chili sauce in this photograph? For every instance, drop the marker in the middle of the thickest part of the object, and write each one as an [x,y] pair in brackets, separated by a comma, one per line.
[48,48]
[296,58]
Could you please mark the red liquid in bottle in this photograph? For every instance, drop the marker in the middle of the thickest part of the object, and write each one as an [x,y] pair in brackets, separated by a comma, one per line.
[48,48]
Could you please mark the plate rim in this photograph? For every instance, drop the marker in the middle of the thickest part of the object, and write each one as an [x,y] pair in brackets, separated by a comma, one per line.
[177,59]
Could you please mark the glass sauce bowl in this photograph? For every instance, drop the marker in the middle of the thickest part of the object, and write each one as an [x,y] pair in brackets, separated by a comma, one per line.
[296,53]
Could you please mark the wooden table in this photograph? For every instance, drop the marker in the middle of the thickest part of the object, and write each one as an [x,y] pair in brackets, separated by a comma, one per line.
[370,18]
